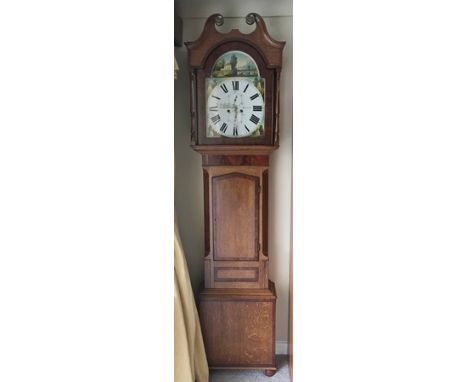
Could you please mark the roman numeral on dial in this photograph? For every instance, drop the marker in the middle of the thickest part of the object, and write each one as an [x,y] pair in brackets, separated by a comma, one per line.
[235,85]
[246,87]
[246,128]
[224,87]
[257,108]
[254,119]
[254,96]
[234,131]
[213,108]
[216,97]
[224,127]
[216,118]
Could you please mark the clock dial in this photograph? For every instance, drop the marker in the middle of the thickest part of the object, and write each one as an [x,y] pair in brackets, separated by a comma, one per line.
[235,108]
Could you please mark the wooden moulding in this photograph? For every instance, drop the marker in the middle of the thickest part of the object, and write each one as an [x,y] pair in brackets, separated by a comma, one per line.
[236,293]
[235,160]
[234,150]
[271,49]
[228,274]
[206,200]
[238,327]
[238,275]
[265,213]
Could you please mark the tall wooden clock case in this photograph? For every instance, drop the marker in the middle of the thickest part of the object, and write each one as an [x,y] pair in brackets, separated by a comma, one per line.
[234,116]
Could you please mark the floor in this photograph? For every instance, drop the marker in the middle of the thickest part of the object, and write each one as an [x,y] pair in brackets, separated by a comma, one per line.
[282,375]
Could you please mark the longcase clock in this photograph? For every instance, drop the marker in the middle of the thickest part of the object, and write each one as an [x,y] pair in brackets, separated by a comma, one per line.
[234,117]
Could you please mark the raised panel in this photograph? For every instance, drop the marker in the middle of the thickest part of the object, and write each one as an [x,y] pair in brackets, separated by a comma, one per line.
[230,274]
[239,327]
[235,216]
[246,330]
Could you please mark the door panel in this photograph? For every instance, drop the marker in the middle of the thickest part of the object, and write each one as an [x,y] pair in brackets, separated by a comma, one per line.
[235,216]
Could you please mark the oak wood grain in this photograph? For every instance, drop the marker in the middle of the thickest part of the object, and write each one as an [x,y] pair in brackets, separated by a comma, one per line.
[239,329]
[235,216]
[237,230]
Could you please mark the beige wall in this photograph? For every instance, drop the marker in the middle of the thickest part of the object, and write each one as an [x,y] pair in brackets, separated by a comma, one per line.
[188,173]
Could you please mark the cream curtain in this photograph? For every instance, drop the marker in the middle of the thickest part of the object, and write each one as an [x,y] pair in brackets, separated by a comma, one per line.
[190,362]
[176,68]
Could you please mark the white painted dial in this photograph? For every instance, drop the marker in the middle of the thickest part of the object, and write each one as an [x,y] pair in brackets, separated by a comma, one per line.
[235,108]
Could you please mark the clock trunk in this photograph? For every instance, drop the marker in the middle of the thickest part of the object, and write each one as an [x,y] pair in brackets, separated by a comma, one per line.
[236,221]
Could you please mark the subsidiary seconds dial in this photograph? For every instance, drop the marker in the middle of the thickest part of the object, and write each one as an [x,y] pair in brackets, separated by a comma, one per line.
[235,108]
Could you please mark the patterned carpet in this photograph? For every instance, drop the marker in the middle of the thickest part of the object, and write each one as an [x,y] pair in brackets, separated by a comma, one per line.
[282,375]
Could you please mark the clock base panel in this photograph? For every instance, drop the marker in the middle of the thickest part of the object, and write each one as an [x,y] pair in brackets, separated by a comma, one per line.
[238,327]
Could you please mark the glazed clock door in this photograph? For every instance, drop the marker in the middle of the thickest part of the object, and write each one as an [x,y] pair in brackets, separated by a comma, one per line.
[235,94]
[235,91]
[235,109]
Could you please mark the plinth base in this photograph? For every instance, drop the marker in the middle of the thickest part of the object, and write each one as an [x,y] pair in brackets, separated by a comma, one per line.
[238,327]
